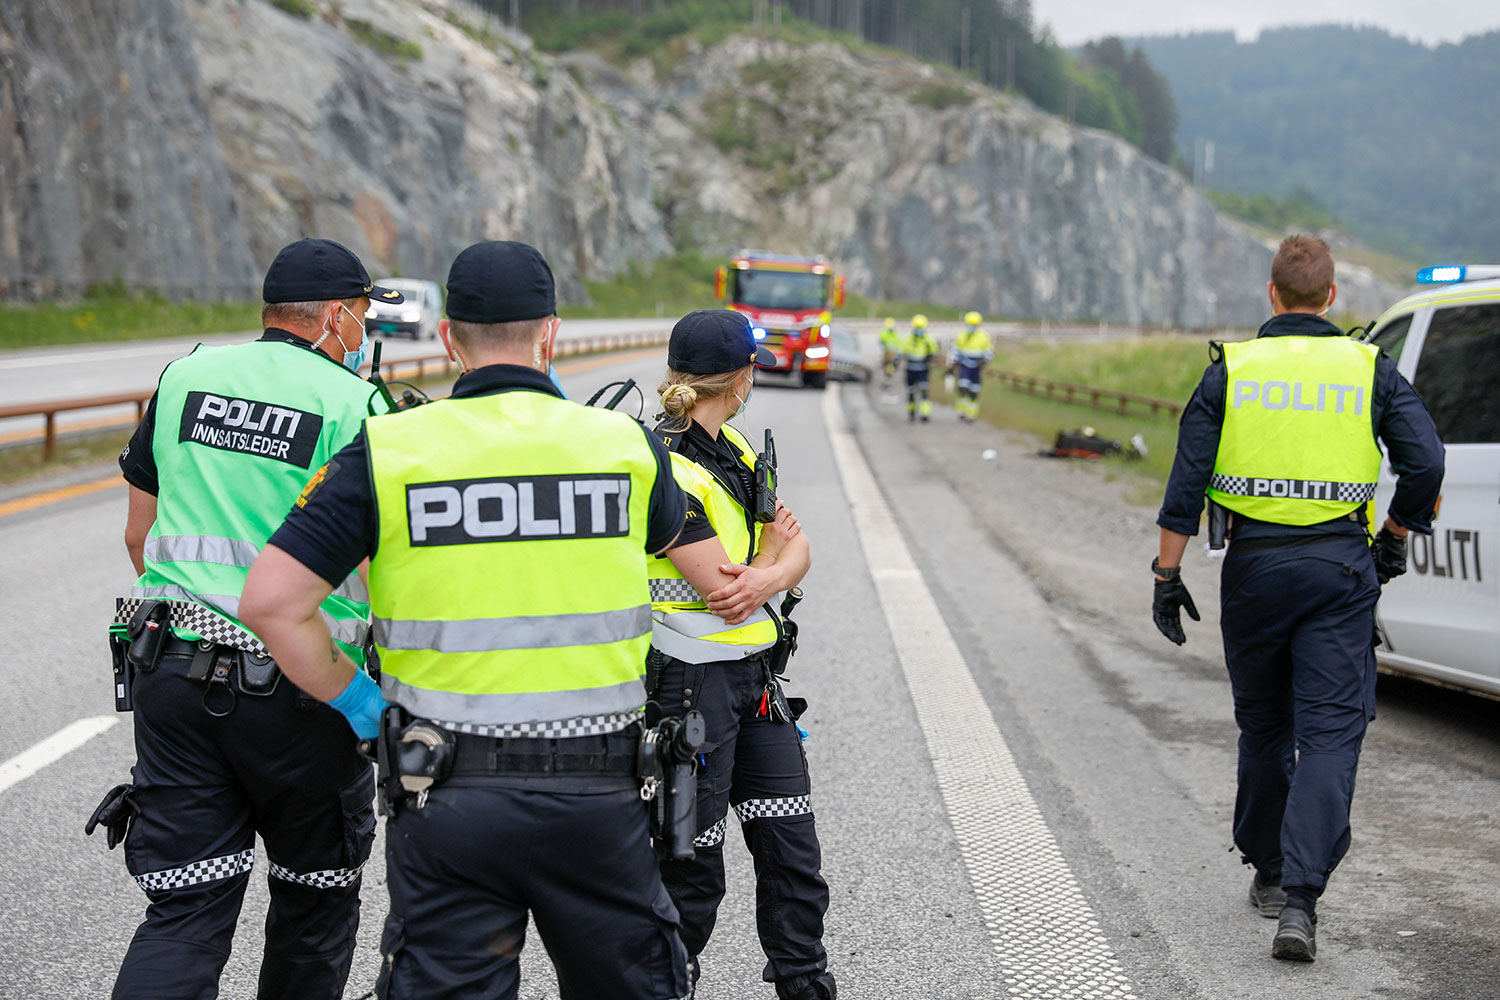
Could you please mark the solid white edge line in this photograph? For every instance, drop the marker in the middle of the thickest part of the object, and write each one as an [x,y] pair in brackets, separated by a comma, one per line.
[52,749]
[1045,935]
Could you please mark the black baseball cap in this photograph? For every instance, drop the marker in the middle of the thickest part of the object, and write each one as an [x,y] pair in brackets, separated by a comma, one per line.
[710,341]
[500,281]
[314,270]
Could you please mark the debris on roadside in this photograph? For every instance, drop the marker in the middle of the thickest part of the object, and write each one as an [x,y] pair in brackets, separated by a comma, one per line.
[1087,444]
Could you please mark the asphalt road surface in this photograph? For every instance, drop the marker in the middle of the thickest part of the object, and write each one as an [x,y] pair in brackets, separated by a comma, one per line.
[1022,790]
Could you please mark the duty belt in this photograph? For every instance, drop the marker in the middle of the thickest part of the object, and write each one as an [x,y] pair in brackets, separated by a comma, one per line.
[195,618]
[615,753]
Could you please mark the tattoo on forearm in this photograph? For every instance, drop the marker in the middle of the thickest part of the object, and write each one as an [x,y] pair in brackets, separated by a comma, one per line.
[333,650]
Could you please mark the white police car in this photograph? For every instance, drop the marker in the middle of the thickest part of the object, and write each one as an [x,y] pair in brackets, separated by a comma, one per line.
[1441,620]
[417,317]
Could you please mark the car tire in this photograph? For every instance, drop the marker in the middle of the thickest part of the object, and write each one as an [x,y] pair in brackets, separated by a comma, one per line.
[815,380]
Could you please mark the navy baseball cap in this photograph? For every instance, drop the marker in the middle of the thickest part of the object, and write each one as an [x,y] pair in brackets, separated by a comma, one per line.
[500,281]
[314,270]
[710,341]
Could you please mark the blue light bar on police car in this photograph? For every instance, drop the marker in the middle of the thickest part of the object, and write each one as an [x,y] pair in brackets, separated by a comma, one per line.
[758,333]
[1445,274]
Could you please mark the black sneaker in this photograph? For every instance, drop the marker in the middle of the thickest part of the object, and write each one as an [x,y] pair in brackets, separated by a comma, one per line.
[1268,899]
[1296,936]
[822,988]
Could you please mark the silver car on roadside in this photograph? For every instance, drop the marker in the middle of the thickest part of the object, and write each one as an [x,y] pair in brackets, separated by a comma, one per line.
[416,318]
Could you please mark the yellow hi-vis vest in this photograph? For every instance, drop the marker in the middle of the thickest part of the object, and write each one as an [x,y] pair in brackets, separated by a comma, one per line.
[682,625]
[1298,445]
[509,585]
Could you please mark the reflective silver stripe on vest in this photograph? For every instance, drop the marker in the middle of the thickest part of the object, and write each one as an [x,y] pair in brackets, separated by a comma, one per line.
[201,548]
[350,631]
[513,709]
[489,635]
[353,589]
[1293,489]
[686,636]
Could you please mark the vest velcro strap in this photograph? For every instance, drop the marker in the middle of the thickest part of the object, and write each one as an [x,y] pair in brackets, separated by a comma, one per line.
[1293,489]
[488,635]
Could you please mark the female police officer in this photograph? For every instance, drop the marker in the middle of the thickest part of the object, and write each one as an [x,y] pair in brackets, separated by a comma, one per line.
[712,638]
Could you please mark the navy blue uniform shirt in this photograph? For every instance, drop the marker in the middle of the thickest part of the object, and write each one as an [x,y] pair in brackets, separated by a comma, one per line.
[1397,418]
[336,528]
[724,463]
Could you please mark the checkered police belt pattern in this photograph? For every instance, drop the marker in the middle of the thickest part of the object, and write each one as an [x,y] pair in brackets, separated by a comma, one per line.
[714,835]
[197,619]
[1293,489]
[207,870]
[674,592]
[793,805]
[331,878]
[1047,940]
[584,725]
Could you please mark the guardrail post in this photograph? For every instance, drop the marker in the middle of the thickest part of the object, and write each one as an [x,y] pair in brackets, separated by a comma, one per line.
[49,440]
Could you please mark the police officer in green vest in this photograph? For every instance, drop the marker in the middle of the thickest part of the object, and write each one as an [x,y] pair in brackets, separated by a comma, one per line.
[714,632]
[508,532]
[1282,431]
[227,748]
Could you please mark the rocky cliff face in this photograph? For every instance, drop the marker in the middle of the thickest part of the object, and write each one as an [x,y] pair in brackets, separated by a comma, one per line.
[195,137]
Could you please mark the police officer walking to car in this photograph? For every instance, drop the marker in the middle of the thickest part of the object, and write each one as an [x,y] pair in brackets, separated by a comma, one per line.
[225,747]
[712,648]
[508,532]
[1282,431]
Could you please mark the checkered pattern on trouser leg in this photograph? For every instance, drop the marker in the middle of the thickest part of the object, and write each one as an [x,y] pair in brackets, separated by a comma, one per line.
[330,878]
[714,835]
[207,870]
[793,805]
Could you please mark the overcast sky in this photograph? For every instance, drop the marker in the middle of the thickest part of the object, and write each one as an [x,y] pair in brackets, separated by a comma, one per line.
[1076,21]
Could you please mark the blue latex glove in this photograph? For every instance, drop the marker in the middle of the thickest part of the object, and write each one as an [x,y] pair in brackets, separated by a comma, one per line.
[361,704]
[801,734]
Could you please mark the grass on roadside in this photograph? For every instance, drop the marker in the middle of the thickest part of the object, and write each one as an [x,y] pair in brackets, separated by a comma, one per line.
[119,315]
[1164,367]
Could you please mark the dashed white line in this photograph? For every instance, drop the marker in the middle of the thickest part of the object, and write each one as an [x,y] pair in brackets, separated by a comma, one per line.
[61,743]
[1043,930]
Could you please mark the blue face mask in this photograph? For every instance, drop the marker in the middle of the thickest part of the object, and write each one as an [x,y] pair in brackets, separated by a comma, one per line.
[744,403]
[356,358]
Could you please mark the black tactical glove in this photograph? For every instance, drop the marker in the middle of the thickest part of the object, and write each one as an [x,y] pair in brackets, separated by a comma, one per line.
[114,813]
[1390,556]
[1166,603]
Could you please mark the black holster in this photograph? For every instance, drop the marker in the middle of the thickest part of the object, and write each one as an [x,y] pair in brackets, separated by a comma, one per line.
[668,764]
[413,756]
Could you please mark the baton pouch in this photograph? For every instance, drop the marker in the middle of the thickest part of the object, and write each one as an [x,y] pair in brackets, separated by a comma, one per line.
[123,669]
[258,674]
[114,812]
[147,633]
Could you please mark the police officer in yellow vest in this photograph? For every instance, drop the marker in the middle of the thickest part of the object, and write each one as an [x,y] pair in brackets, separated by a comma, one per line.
[508,532]
[225,747]
[1282,431]
[713,633]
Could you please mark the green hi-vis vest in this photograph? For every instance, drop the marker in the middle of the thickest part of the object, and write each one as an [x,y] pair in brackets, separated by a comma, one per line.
[509,585]
[890,338]
[1298,445]
[683,627]
[239,431]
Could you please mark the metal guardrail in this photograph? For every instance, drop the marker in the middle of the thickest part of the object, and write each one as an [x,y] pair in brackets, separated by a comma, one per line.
[1087,395]
[415,367]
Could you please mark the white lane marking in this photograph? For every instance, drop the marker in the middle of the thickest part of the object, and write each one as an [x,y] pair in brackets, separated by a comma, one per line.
[61,743]
[1044,932]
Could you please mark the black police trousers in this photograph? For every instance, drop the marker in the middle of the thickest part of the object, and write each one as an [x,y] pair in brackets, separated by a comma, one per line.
[465,868]
[759,768]
[283,766]
[1298,623]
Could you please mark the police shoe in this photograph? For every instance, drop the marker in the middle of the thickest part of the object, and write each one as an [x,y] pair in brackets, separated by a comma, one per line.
[1296,936]
[1268,899]
[821,988]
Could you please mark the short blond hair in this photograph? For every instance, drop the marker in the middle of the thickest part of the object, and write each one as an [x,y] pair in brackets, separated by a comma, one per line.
[681,391]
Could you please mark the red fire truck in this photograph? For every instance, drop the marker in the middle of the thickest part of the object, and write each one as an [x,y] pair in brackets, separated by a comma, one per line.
[789,300]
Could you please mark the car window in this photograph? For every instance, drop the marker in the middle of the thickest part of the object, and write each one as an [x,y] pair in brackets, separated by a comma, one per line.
[1392,337]
[1458,375]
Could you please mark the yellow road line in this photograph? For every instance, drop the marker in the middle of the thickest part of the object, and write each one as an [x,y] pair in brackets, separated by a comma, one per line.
[62,493]
[58,495]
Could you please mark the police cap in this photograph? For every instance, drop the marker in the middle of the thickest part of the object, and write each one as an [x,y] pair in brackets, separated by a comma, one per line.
[314,270]
[500,281]
[710,341]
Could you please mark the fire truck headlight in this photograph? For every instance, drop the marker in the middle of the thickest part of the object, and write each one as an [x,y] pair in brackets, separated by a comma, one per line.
[817,352]
[823,332]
